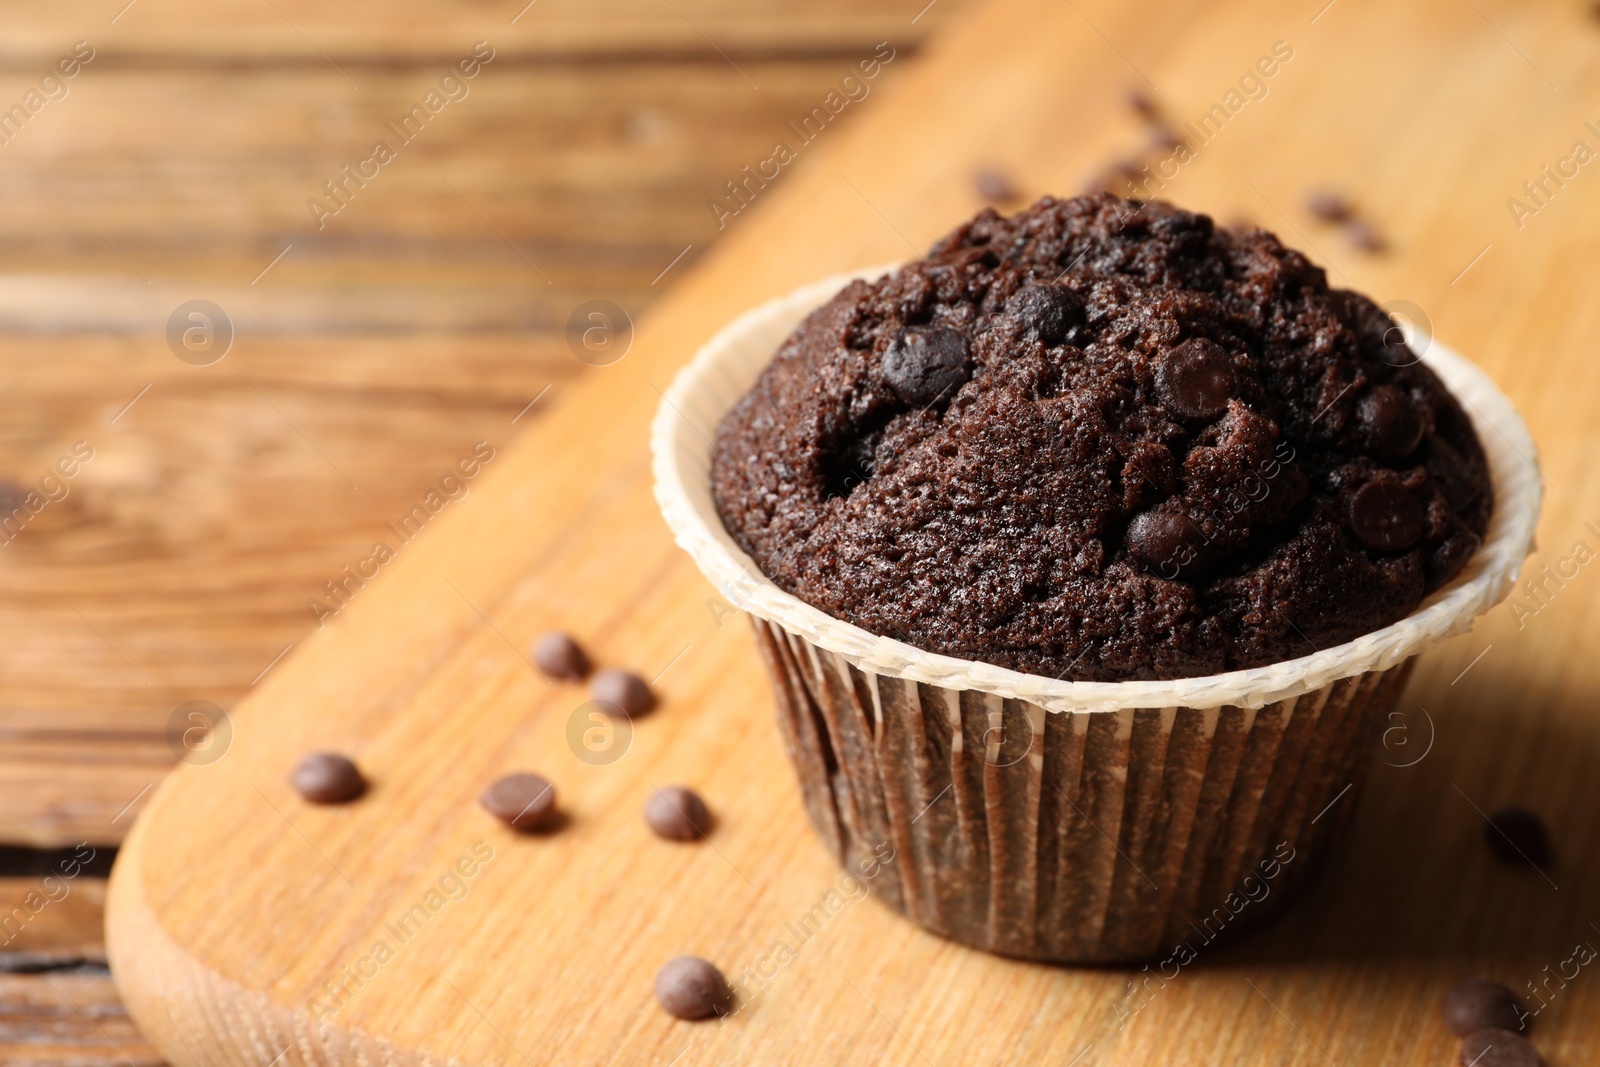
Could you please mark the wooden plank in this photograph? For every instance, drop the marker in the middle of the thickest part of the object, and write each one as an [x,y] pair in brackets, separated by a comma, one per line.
[229,32]
[61,1019]
[550,954]
[57,1002]
[543,187]
[53,919]
[182,560]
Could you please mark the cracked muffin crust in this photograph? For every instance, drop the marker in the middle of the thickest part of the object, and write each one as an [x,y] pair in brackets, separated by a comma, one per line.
[1103,440]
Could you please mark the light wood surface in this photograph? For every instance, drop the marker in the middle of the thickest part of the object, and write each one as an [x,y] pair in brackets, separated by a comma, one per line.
[422,318]
[234,903]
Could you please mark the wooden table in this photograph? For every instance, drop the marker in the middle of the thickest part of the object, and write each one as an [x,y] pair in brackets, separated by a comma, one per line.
[366,361]
[1430,117]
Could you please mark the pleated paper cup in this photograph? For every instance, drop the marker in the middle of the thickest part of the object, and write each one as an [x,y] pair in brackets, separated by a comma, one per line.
[1069,821]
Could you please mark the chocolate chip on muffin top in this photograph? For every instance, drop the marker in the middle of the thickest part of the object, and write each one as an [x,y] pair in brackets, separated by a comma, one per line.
[1104,440]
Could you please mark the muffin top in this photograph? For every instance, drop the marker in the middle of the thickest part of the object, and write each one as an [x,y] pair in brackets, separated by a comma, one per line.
[1103,440]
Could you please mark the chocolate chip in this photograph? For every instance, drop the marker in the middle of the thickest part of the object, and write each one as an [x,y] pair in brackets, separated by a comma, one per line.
[522,801]
[994,187]
[1517,836]
[1045,312]
[963,256]
[692,988]
[559,656]
[1390,337]
[1145,104]
[327,778]
[1164,138]
[1168,542]
[623,690]
[1079,336]
[677,814]
[1183,224]
[1497,1048]
[1449,471]
[1195,378]
[1450,555]
[1365,236]
[1329,206]
[11,496]
[1385,517]
[1391,422]
[926,363]
[1482,1005]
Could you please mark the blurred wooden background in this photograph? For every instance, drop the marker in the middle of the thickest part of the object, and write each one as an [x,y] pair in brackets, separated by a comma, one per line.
[422,318]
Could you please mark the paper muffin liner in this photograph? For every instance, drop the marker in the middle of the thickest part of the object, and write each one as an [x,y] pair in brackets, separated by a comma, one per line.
[1069,821]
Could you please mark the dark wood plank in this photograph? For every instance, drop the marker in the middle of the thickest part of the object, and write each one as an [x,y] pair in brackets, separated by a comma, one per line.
[58,1006]
[68,1019]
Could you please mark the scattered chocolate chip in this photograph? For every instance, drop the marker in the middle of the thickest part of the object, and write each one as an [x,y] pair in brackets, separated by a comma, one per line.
[522,801]
[1482,1005]
[926,363]
[1145,104]
[689,987]
[1165,138]
[1195,378]
[1365,236]
[994,187]
[623,690]
[677,814]
[1168,542]
[1045,312]
[1497,1048]
[11,496]
[1386,517]
[559,656]
[1517,836]
[327,778]
[1183,224]
[1391,422]
[1330,207]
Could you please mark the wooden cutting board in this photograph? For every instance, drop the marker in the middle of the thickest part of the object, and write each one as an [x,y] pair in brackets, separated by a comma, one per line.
[238,913]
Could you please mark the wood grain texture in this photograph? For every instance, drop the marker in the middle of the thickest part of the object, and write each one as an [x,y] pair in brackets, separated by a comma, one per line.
[423,317]
[543,186]
[60,1018]
[1433,116]
[57,1002]
[231,32]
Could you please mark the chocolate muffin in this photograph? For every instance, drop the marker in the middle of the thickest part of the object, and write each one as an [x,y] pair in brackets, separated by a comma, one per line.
[1104,440]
